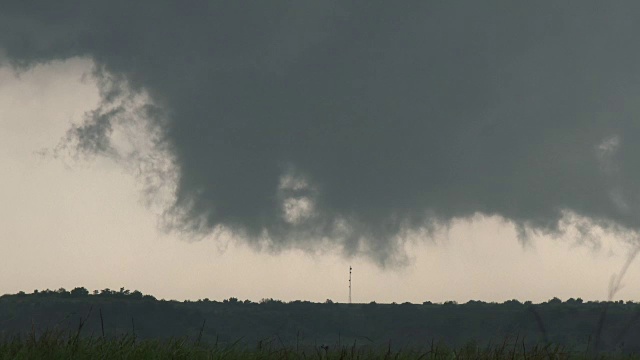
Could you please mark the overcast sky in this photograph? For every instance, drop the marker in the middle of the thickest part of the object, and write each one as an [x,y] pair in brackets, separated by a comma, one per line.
[446,151]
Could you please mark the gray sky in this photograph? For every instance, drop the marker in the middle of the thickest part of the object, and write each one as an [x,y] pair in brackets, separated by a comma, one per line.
[445,151]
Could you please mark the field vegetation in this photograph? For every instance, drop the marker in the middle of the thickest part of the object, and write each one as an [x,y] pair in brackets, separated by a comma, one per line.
[54,345]
[129,324]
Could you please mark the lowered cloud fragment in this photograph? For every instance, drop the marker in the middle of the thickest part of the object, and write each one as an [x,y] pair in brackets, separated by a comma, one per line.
[378,118]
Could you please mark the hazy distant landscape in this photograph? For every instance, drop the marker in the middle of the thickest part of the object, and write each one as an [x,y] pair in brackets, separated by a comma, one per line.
[113,314]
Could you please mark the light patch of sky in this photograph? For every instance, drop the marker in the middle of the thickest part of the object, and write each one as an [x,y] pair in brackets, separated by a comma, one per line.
[87,225]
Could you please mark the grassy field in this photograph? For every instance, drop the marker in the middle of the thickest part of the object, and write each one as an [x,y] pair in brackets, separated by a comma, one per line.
[52,345]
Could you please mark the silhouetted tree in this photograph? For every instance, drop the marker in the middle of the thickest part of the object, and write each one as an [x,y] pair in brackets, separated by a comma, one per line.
[79,292]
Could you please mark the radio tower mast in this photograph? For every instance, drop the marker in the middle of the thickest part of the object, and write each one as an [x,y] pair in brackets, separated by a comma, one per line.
[349,284]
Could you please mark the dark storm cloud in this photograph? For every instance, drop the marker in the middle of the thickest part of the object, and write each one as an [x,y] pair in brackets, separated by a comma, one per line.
[306,121]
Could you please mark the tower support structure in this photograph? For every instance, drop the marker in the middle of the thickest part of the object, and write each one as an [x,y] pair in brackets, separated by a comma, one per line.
[350,284]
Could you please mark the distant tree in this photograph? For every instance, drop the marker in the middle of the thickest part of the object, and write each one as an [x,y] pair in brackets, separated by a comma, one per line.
[328,301]
[79,292]
[572,301]
[555,300]
[475,302]
[106,292]
[270,301]
[512,302]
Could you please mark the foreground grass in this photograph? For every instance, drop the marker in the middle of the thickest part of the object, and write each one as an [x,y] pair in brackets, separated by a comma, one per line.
[51,345]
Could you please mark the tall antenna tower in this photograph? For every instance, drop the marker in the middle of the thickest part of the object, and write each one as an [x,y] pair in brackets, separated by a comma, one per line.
[349,284]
